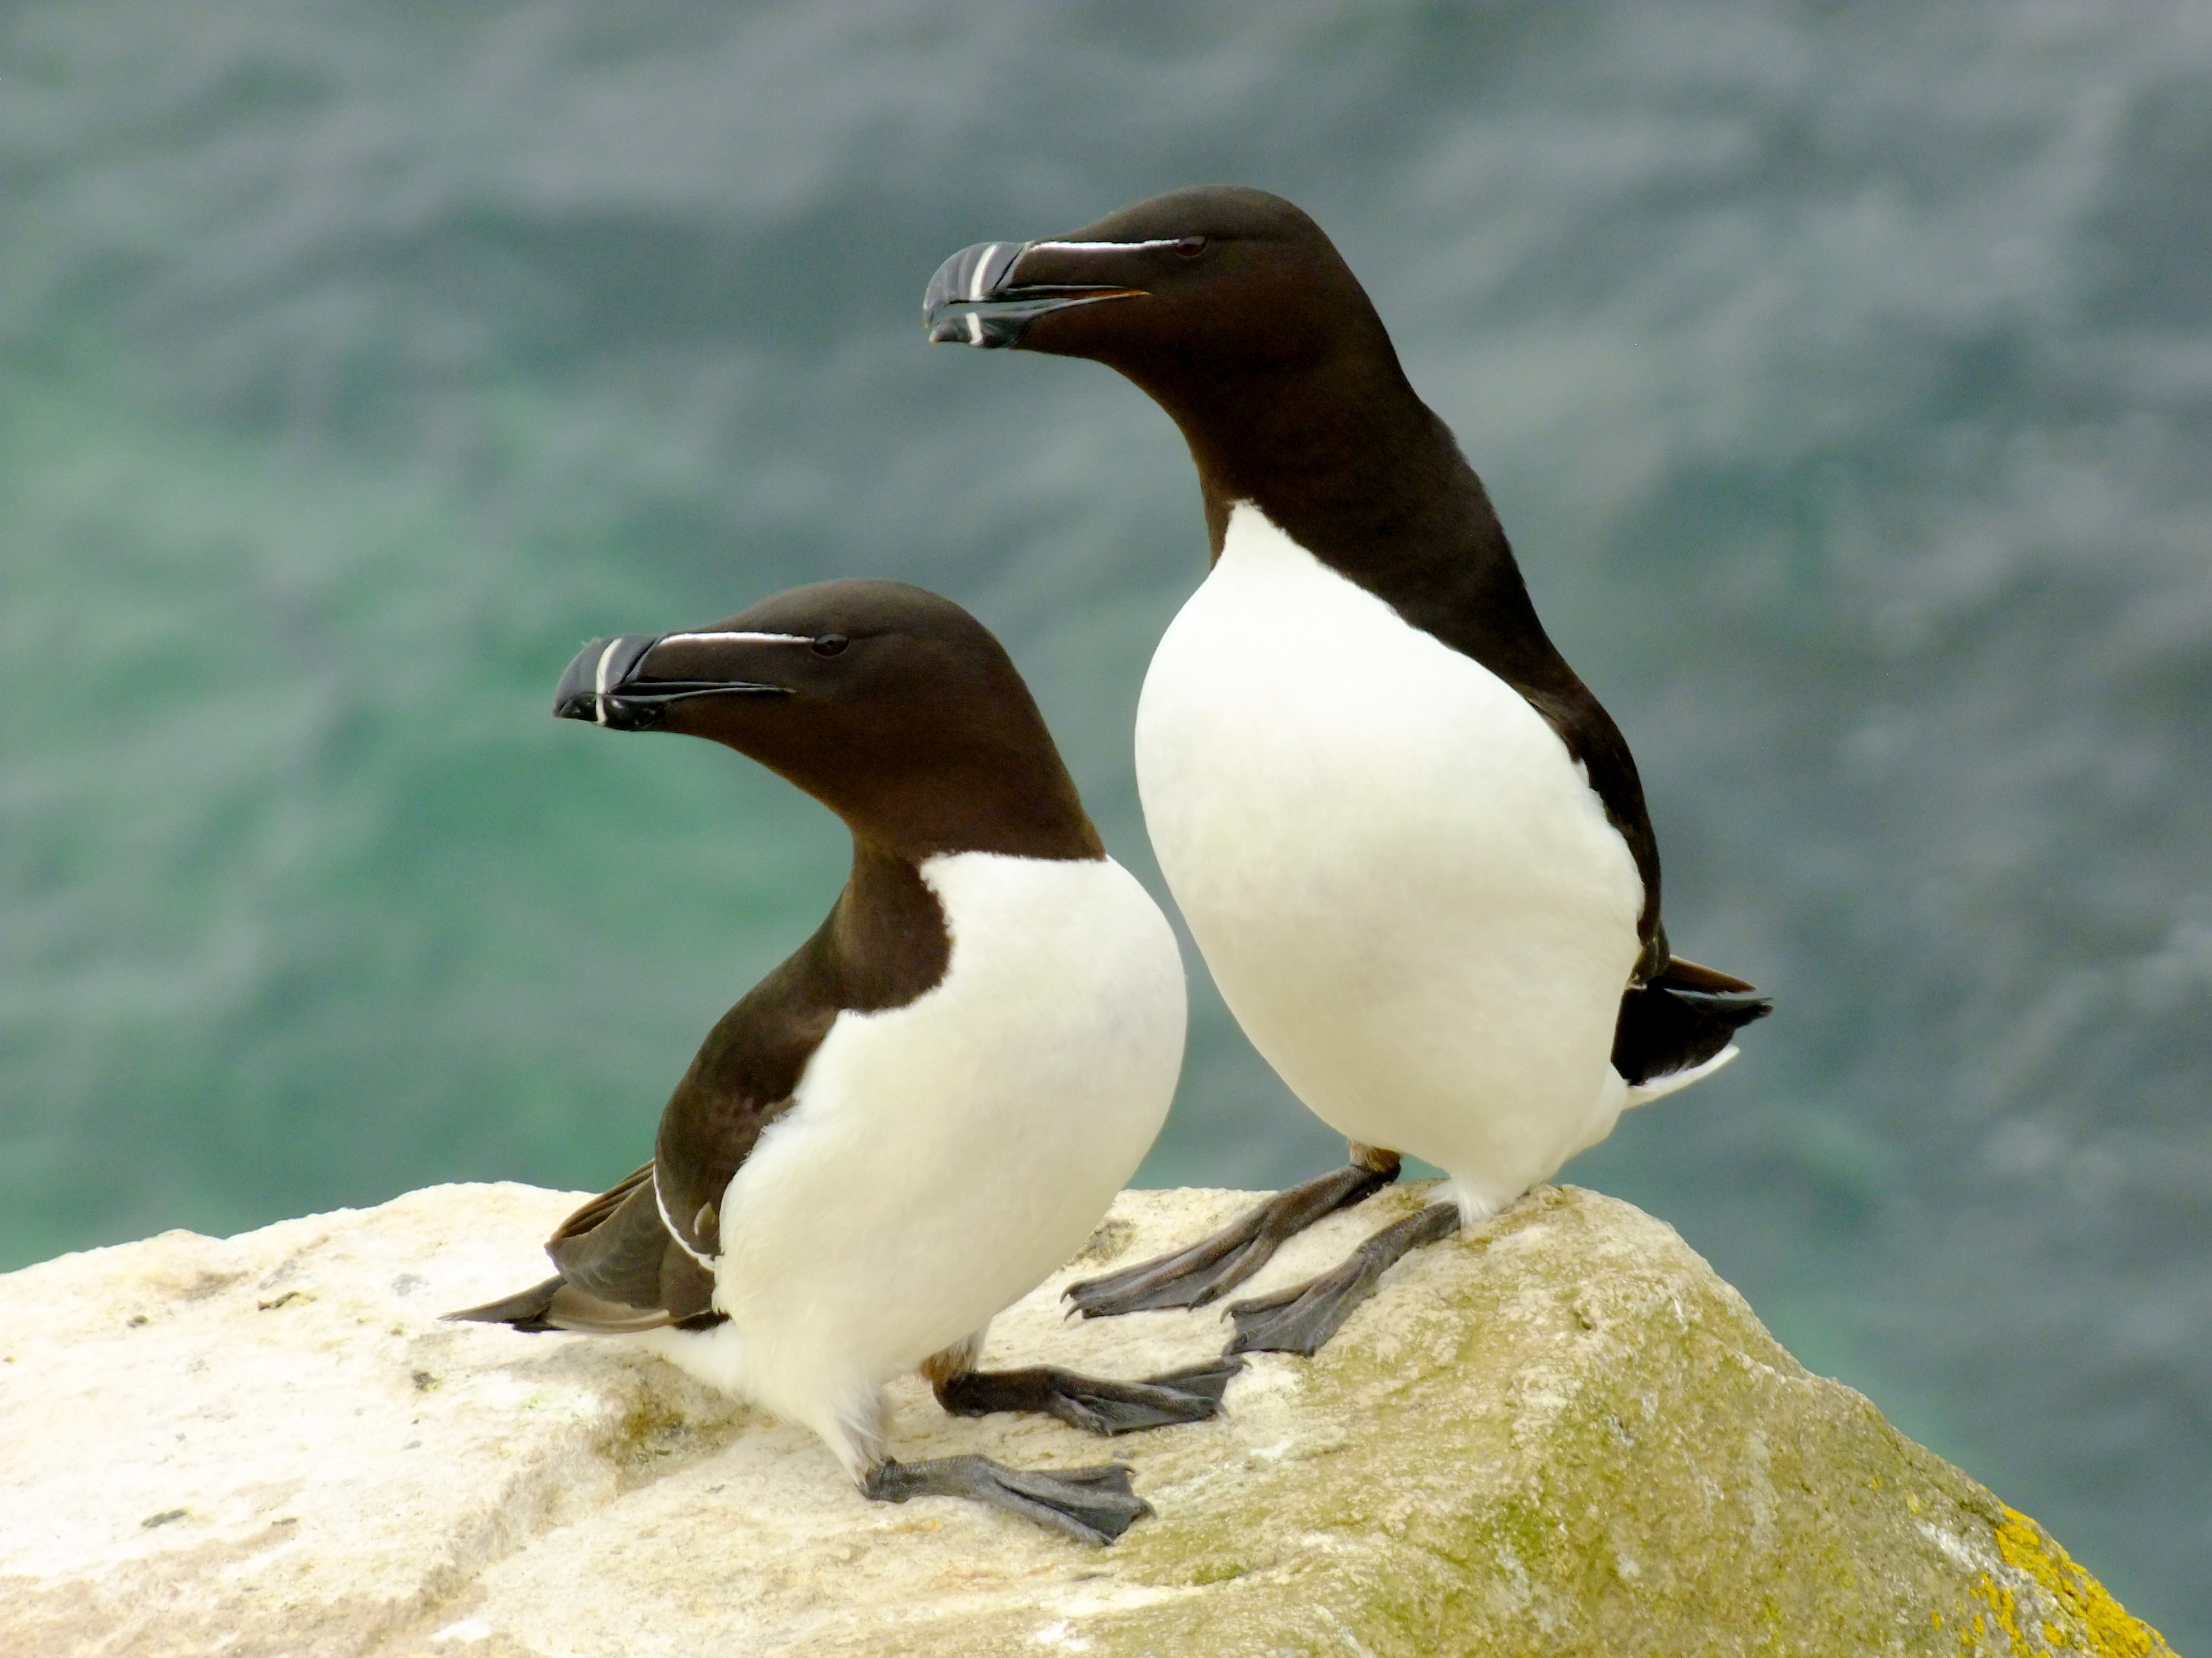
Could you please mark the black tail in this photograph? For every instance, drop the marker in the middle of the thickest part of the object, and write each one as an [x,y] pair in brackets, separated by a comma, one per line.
[1680,1019]
[525,1311]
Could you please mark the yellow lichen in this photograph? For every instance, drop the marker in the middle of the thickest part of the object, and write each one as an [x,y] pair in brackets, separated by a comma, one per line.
[1999,1599]
[2109,1631]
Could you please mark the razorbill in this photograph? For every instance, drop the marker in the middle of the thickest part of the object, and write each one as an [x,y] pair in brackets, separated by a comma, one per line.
[1409,842]
[927,1108]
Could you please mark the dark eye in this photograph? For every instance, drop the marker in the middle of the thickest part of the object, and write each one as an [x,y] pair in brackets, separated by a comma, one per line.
[1190,247]
[830,644]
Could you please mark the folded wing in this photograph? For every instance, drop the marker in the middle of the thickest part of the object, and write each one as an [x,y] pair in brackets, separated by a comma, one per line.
[621,1271]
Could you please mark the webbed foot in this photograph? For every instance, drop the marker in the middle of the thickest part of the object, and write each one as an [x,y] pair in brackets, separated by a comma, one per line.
[1212,1266]
[1301,1319]
[1091,1505]
[1092,1403]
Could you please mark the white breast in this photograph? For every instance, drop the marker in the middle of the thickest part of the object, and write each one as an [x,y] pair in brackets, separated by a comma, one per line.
[942,1158]
[1406,889]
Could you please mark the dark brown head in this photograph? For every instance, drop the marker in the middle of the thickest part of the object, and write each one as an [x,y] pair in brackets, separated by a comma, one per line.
[1231,308]
[1212,282]
[894,708]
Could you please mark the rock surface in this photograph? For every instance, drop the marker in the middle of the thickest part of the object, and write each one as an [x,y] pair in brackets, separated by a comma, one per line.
[1560,1434]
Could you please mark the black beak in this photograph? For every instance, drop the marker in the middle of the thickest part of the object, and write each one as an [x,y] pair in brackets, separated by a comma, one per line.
[602,686]
[973,299]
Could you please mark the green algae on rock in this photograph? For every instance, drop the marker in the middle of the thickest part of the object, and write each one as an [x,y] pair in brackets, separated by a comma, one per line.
[1560,1433]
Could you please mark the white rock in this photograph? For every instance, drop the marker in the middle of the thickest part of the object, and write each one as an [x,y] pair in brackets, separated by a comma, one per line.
[1561,1434]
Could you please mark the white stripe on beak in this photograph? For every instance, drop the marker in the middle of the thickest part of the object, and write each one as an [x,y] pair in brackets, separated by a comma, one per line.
[976,282]
[599,706]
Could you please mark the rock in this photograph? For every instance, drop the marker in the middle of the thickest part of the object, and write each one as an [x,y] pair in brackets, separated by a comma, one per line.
[1560,1434]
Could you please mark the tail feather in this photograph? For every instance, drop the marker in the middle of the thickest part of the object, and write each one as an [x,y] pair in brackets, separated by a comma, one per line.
[557,1304]
[1674,1082]
[1686,975]
[1680,1025]
[525,1310]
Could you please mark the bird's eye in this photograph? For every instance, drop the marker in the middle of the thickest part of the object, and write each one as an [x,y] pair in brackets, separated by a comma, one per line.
[1190,247]
[830,644]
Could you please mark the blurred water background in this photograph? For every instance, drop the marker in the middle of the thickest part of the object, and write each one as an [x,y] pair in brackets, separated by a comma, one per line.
[1843,375]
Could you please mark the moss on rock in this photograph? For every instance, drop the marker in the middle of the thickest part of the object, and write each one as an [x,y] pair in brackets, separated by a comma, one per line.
[1563,1435]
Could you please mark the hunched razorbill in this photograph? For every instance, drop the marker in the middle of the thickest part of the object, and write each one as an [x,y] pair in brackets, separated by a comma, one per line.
[930,1105]
[1409,842]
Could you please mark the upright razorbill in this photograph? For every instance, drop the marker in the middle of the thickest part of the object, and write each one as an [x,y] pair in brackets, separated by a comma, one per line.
[1411,845]
[929,1106]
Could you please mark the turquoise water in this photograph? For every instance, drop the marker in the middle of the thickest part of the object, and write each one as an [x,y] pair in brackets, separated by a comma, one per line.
[1844,376]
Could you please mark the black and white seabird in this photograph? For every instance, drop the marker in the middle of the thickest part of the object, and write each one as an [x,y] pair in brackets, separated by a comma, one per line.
[929,1107]
[1411,845]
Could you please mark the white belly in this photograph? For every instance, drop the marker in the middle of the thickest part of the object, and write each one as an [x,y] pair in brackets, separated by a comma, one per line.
[942,1158]
[1408,893]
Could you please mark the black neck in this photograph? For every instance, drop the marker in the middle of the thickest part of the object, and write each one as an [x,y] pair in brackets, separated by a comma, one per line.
[1017,803]
[1348,462]
[884,941]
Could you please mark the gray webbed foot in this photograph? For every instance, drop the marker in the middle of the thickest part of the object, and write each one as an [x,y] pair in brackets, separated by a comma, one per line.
[1212,1266]
[1091,1505]
[1091,1403]
[1301,1319]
